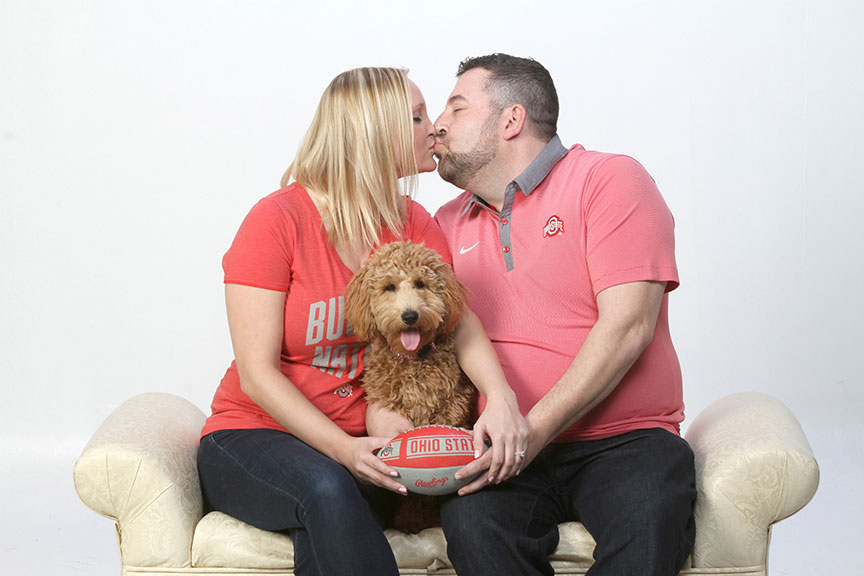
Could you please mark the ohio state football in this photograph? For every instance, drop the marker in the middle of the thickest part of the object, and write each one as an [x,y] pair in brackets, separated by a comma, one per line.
[427,457]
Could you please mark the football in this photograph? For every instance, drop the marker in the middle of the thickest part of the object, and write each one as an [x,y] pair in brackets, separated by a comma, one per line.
[427,457]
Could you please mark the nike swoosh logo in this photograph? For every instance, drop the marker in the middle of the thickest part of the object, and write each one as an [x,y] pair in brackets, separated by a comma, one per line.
[464,250]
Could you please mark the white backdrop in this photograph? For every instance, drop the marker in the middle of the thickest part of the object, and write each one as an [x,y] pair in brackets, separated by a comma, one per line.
[134,136]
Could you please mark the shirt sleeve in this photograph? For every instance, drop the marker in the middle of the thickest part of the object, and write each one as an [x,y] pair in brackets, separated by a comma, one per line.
[630,230]
[261,254]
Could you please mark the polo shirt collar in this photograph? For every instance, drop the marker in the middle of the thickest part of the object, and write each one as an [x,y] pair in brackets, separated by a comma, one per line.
[533,175]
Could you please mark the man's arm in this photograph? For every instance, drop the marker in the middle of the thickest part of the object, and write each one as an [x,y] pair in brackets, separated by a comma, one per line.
[625,326]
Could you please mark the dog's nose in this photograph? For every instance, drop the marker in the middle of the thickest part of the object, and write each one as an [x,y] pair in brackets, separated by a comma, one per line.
[410,317]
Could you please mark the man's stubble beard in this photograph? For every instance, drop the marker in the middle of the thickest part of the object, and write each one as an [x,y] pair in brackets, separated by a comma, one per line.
[459,168]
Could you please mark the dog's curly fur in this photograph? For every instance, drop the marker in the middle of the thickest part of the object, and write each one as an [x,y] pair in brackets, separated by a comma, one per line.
[407,287]
[404,287]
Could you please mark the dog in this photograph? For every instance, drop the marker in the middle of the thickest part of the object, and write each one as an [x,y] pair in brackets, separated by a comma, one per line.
[406,302]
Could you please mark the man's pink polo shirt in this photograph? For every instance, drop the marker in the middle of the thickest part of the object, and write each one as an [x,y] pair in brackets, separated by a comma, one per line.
[573,224]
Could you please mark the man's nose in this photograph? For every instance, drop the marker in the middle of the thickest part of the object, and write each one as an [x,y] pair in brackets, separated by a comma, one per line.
[439,125]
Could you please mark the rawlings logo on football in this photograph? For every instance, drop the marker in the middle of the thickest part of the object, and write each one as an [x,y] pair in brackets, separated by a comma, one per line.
[554,226]
[433,483]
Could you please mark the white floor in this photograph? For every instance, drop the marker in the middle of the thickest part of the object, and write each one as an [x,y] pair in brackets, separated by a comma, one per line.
[45,527]
[47,530]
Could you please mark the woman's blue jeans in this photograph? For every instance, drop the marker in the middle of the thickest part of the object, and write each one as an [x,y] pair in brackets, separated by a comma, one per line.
[274,481]
[634,493]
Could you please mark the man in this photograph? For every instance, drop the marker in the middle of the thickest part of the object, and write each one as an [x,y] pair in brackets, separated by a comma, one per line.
[569,255]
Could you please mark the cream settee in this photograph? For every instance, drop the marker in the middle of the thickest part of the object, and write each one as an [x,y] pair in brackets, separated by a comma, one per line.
[754,467]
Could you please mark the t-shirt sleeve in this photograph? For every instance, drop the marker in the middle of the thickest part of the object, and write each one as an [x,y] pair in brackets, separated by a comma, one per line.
[422,228]
[630,230]
[262,251]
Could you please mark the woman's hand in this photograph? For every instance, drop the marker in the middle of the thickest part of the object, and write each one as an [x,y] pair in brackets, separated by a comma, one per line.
[255,316]
[385,423]
[506,430]
[357,455]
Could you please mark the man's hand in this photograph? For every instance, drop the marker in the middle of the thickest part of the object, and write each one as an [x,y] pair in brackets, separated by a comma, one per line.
[507,433]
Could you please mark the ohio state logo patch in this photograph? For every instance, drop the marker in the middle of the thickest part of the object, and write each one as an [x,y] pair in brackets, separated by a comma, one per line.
[344,391]
[554,226]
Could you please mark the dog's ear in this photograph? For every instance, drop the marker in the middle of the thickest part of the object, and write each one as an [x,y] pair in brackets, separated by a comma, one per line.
[358,305]
[455,296]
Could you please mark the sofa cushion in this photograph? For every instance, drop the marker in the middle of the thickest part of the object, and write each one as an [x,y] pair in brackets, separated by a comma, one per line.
[223,541]
[575,547]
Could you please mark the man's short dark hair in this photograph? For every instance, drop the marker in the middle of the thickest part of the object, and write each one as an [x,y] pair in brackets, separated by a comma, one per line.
[514,80]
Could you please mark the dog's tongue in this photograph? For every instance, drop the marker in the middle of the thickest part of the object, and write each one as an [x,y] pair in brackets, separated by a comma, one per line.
[411,339]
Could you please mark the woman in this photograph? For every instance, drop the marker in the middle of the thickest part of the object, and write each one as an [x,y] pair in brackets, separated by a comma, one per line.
[286,446]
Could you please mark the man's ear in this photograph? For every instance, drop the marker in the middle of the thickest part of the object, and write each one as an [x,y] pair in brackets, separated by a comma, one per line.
[515,118]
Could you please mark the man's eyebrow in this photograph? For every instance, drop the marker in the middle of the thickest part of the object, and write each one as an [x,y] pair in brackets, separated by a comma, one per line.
[455,98]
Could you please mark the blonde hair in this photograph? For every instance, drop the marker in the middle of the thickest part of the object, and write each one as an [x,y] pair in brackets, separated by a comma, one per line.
[359,144]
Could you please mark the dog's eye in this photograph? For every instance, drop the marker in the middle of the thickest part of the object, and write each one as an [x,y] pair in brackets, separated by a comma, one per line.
[419,284]
[390,288]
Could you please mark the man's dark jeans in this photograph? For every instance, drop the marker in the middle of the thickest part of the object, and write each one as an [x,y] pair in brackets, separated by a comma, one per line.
[634,493]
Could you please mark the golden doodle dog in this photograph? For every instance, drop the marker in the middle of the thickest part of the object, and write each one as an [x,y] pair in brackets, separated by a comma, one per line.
[406,303]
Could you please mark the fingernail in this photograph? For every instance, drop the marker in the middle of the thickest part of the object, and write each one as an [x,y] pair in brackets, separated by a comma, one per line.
[457,476]
[403,491]
[476,454]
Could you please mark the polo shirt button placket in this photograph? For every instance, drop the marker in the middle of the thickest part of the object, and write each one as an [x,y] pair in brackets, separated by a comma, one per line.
[506,247]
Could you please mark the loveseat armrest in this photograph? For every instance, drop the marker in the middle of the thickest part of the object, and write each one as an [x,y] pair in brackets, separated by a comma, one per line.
[139,468]
[754,467]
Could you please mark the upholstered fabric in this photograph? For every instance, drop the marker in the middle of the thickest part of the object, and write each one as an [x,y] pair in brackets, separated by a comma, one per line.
[139,468]
[754,467]
[221,540]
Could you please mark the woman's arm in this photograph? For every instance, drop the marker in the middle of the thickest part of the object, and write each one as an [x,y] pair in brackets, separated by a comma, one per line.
[385,423]
[501,422]
[255,319]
